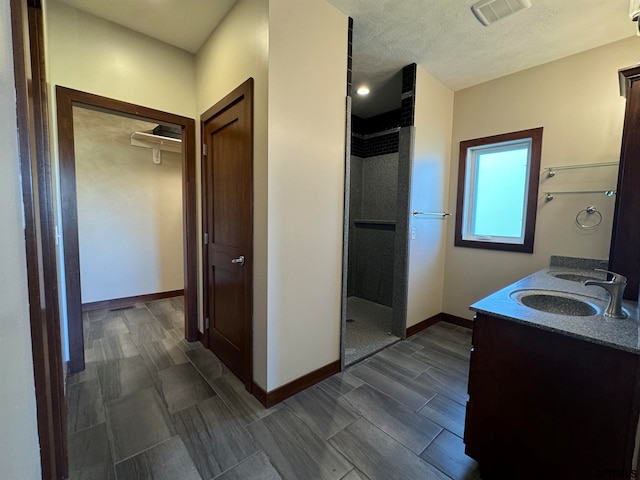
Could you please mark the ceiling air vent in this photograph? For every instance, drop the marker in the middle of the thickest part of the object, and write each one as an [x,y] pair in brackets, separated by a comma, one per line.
[490,11]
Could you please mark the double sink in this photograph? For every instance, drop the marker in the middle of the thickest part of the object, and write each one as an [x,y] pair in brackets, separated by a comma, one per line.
[562,303]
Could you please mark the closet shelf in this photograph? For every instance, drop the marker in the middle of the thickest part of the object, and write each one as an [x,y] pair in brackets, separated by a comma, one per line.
[551,171]
[157,143]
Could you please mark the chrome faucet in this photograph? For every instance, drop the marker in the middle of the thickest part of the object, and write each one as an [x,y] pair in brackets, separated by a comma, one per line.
[615,287]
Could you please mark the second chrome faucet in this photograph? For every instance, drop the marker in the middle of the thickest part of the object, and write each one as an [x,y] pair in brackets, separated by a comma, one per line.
[615,287]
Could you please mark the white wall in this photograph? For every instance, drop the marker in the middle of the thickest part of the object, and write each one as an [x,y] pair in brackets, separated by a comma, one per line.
[429,193]
[577,101]
[239,49]
[129,210]
[19,446]
[307,89]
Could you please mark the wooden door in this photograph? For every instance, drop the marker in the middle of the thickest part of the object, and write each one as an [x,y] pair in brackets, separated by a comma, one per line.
[227,132]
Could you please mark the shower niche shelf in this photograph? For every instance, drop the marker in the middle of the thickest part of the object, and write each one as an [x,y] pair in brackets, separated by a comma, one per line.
[375,224]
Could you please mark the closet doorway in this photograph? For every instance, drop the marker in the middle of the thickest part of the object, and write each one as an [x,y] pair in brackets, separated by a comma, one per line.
[69,101]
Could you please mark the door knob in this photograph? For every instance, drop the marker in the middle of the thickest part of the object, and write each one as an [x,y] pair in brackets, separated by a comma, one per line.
[239,260]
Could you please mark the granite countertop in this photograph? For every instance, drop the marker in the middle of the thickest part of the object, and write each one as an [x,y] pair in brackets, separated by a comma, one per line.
[623,334]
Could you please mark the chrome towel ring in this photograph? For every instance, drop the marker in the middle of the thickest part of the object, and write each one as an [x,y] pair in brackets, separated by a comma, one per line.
[583,215]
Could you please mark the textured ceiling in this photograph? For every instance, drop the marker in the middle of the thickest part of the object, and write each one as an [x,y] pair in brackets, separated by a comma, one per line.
[444,37]
[183,23]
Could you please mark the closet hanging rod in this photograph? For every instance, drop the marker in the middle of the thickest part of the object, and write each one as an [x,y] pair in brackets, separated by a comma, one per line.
[549,195]
[551,170]
[438,214]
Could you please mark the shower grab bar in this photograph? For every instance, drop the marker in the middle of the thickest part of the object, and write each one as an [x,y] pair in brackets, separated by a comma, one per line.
[438,214]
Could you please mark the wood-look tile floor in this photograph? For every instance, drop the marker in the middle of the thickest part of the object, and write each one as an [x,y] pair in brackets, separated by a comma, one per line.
[152,406]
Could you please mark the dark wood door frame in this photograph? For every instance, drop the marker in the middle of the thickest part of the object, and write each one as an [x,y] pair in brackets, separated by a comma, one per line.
[40,251]
[244,91]
[66,100]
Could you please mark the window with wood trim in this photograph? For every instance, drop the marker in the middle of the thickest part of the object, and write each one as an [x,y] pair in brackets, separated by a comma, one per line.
[498,190]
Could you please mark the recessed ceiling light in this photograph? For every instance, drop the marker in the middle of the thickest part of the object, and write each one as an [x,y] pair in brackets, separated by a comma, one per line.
[362,90]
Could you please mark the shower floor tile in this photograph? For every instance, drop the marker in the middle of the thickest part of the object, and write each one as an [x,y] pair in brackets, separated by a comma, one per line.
[369,331]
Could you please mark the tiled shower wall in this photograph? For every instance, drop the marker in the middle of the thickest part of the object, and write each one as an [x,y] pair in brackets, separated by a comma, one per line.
[376,135]
[373,199]
[372,227]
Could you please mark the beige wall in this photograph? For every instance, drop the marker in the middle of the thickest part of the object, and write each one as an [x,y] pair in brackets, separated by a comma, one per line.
[306,185]
[19,446]
[90,54]
[129,210]
[303,179]
[576,100]
[429,193]
[237,50]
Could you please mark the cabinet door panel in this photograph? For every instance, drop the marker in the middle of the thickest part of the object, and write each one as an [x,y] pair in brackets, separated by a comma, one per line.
[544,405]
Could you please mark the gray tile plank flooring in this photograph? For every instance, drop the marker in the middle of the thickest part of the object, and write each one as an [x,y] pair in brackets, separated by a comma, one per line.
[162,354]
[90,454]
[122,377]
[322,412]
[405,425]
[354,475]
[168,460]
[146,332]
[379,456]
[447,454]
[95,315]
[160,307]
[444,362]
[445,412]
[408,348]
[244,405]
[116,347]
[89,373]
[177,334]
[213,436]
[340,384]
[206,363]
[256,467]
[109,327]
[182,386]
[400,362]
[398,414]
[457,335]
[137,422]
[85,405]
[390,386]
[138,316]
[295,450]
[446,346]
[445,384]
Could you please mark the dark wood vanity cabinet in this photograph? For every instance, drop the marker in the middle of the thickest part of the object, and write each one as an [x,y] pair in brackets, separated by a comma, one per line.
[548,406]
[624,256]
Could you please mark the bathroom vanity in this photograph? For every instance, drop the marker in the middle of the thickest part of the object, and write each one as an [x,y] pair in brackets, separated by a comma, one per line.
[553,395]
